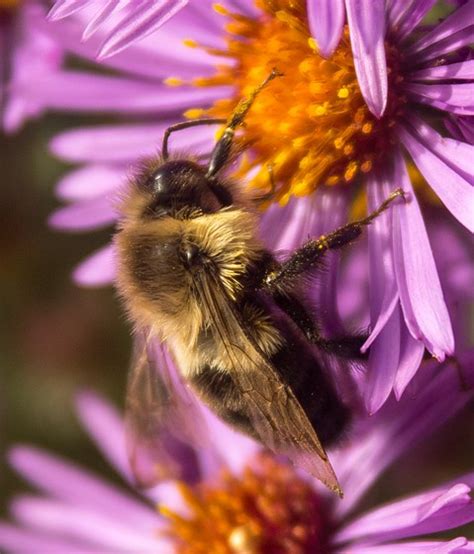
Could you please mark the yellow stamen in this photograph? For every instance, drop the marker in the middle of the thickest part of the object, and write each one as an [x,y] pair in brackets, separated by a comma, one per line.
[313,123]
[190,43]
[173,81]
[268,508]
[194,113]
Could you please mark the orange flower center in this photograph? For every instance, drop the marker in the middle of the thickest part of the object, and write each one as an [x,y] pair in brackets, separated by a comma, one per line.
[312,124]
[267,510]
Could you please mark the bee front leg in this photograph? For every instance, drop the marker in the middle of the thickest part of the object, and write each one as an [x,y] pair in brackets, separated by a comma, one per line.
[282,277]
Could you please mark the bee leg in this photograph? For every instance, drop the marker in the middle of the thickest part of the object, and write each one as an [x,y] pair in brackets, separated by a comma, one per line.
[307,258]
[221,151]
[346,346]
[185,125]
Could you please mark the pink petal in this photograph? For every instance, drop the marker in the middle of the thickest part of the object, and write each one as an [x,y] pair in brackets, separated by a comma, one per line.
[411,356]
[17,540]
[396,428]
[452,43]
[100,17]
[105,426]
[459,20]
[81,91]
[454,191]
[84,215]
[139,23]
[405,15]
[420,291]
[105,531]
[79,487]
[367,31]
[326,20]
[97,270]
[90,182]
[456,97]
[383,364]
[127,143]
[460,70]
[457,154]
[400,519]
[383,287]
[64,8]
[454,546]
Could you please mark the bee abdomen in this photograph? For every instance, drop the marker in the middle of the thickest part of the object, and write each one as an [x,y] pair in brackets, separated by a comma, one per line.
[303,373]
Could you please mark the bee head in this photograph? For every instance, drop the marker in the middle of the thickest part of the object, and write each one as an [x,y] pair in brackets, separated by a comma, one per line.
[180,187]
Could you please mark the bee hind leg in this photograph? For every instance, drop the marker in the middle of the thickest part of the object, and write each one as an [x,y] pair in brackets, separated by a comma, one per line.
[344,346]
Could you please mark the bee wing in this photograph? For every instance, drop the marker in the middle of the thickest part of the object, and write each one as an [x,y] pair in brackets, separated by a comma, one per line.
[161,416]
[276,414]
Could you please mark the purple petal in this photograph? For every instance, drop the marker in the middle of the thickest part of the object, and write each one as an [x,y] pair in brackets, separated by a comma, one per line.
[454,546]
[78,487]
[64,8]
[90,182]
[397,427]
[97,270]
[383,364]
[33,56]
[105,531]
[367,31]
[411,356]
[105,426]
[100,17]
[383,287]
[462,128]
[127,143]
[428,512]
[460,70]
[457,154]
[420,291]
[404,16]
[17,540]
[454,191]
[450,44]
[81,91]
[384,311]
[326,20]
[458,98]
[459,20]
[139,23]
[171,58]
[84,215]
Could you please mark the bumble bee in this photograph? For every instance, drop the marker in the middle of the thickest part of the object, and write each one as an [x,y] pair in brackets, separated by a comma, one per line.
[194,274]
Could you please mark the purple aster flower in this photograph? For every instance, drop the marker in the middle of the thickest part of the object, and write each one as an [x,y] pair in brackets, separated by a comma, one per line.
[325,139]
[27,53]
[122,23]
[236,497]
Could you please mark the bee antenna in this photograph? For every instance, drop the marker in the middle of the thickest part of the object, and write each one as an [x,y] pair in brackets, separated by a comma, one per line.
[221,151]
[186,125]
